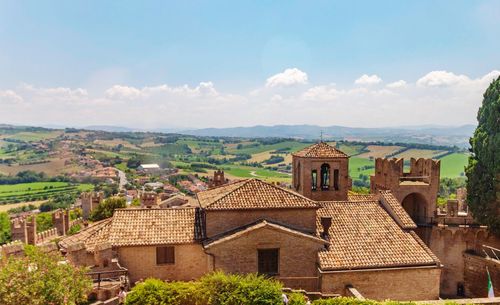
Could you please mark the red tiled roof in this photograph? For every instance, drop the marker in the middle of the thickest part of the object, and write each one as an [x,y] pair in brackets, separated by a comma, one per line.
[91,236]
[363,235]
[320,150]
[252,194]
[395,208]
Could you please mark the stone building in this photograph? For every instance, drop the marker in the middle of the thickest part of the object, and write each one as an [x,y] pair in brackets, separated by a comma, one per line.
[319,238]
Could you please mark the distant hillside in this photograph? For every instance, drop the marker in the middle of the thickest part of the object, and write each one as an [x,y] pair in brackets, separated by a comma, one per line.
[436,135]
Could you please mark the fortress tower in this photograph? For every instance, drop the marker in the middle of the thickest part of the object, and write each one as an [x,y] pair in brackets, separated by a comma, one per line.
[90,200]
[321,173]
[24,230]
[218,179]
[149,200]
[417,189]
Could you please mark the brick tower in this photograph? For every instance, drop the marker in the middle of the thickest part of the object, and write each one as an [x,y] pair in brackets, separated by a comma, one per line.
[321,173]
[417,189]
[90,200]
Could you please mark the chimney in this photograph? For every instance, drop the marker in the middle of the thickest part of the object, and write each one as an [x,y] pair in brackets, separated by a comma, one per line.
[326,223]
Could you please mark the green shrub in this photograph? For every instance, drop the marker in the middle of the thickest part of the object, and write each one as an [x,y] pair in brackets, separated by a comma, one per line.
[296,299]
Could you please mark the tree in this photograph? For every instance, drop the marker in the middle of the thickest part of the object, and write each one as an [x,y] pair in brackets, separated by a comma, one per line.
[4,228]
[39,278]
[107,207]
[483,170]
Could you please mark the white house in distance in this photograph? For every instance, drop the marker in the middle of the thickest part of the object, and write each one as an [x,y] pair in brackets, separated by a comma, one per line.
[149,168]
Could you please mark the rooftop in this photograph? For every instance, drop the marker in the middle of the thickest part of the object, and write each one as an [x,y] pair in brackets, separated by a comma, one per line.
[364,236]
[320,150]
[252,194]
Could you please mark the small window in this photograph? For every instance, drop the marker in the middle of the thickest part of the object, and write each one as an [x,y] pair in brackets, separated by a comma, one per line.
[268,261]
[314,176]
[325,176]
[336,179]
[165,255]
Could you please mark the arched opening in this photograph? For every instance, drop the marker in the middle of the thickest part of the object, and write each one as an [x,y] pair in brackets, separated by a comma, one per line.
[314,177]
[297,176]
[325,176]
[416,206]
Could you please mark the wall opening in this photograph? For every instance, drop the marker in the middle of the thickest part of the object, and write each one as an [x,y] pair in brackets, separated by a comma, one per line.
[416,206]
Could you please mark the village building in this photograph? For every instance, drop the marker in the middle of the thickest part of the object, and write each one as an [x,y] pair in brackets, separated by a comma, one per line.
[149,168]
[319,237]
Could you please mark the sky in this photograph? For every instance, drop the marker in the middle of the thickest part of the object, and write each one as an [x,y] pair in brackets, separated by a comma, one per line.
[195,64]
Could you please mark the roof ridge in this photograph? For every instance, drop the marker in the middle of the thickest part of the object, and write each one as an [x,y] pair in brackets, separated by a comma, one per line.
[291,192]
[243,183]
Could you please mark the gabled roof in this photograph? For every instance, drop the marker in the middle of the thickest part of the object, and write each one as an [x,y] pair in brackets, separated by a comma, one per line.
[320,150]
[263,223]
[364,236]
[134,227]
[394,207]
[252,194]
[90,236]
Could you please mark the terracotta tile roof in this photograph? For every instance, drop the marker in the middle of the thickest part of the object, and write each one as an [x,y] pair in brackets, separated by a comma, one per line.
[320,150]
[252,194]
[134,227]
[360,197]
[259,224]
[91,236]
[394,207]
[363,236]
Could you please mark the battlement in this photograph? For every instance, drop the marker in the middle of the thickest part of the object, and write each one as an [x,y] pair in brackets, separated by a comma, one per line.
[218,179]
[90,200]
[149,199]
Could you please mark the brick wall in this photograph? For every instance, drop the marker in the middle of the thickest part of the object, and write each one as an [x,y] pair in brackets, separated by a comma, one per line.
[449,245]
[221,221]
[476,281]
[190,263]
[302,178]
[401,284]
[297,256]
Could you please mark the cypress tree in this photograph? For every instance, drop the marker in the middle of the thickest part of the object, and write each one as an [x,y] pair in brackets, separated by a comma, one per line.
[483,170]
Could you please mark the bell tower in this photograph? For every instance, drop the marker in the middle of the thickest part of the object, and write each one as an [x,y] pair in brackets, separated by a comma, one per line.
[321,173]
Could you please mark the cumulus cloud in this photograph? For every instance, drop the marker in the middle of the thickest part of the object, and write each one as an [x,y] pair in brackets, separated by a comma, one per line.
[287,78]
[397,84]
[441,78]
[368,80]
[443,97]
[9,96]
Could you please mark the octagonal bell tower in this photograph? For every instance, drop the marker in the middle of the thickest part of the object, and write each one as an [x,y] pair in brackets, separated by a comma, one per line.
[321,173]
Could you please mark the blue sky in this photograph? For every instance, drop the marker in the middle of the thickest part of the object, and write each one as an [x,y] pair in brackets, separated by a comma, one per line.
[236,46]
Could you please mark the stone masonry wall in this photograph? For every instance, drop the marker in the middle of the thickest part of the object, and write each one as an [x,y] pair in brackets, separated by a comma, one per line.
[191,262]
[297,256]
[402,284]
[221,221]
[476,281]
[449,245]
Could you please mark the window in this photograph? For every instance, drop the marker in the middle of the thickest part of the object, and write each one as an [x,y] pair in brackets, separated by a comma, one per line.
[268,261]
[314,176]
[325,176]
[336,179]
[165,255]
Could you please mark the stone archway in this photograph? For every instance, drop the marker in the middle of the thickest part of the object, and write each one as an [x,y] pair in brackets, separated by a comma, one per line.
[415,205]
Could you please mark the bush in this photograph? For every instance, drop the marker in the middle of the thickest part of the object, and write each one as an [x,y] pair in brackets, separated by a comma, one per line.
[215,288]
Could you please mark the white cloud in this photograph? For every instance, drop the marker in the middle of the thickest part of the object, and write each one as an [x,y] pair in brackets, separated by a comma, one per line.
[289,77]
[368,80]
[397,84]
[441,78]
[9,96]
[444,98]
[123,92]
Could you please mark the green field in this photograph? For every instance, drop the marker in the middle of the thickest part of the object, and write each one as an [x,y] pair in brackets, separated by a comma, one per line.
[38,190]
[453,165]
[357,166]
[292,145]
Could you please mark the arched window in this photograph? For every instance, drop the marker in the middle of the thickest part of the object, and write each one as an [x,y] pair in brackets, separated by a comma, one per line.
[325,176]
[314,176]
[336,179]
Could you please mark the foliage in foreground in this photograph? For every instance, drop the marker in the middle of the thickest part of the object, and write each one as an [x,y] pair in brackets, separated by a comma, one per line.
[39,278]
[483,171]
[219,288]
[106,208]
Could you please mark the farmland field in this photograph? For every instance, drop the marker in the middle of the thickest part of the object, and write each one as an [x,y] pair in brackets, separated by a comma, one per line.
[419,153]
[379,151]
[38,190]
[453,165]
